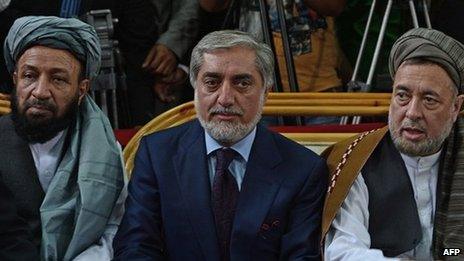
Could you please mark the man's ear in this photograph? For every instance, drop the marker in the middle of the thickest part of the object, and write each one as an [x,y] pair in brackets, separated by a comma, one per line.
[266,92]
[84,86]
[15,78]
[458,105]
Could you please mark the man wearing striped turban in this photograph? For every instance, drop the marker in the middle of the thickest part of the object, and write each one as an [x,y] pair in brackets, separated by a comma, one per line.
[398,192]
[58,153]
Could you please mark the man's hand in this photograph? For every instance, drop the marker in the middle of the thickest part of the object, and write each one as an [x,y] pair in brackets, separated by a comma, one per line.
[164,91]
[160,60]
[166,87]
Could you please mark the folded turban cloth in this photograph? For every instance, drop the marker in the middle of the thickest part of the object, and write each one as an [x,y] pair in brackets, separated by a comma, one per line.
[431,45]
[68,34]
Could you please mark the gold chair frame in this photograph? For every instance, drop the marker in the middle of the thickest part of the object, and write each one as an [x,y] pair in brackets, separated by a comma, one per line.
[280,104]
[5,106]
[277,104]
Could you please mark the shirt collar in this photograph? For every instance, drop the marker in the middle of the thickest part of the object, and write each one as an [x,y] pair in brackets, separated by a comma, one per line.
[243,147]
[50,144]
[422,162]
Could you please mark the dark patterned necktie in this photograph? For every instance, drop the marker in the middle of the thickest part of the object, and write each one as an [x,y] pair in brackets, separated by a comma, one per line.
[224,200]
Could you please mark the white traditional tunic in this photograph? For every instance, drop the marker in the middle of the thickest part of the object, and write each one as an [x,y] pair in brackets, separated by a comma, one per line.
[349,239]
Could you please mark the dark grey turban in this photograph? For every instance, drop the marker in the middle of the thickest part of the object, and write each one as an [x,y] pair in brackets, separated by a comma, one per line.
[431,45]
[61,33]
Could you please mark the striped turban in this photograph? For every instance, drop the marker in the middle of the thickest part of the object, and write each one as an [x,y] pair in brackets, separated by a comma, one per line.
[431,45]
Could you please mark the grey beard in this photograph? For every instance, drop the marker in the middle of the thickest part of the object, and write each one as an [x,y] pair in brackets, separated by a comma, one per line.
[229,132]
[423,148]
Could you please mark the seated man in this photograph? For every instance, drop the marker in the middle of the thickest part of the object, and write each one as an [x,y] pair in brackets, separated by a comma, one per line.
[399,191]
[224,187]
[59,154]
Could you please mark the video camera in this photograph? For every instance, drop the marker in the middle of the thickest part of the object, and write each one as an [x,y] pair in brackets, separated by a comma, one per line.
[111,81]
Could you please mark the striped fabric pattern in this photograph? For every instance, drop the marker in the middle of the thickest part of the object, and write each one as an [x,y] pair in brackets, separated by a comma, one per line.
[431,45]
[69,8]
[449,217]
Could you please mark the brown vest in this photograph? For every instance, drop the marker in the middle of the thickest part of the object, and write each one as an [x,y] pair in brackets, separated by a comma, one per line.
[355,151]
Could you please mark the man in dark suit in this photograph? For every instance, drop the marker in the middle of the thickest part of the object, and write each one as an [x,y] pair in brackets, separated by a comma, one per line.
[224,187]
[15,235]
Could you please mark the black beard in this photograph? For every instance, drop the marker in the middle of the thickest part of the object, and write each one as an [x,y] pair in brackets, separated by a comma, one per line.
[39,130]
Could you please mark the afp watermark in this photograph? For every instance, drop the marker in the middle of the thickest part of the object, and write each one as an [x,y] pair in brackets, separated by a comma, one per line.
[452,251]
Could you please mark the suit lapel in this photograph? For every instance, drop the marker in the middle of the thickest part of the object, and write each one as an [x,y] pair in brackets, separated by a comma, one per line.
[259,188]
[192,174]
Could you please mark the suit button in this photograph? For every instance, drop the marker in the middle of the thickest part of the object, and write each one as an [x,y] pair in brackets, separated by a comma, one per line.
[276,223]
[265,227]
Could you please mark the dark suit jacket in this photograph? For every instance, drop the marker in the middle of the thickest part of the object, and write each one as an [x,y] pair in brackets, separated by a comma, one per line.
[17,169]
[16,240]
[168,210]
[15,235]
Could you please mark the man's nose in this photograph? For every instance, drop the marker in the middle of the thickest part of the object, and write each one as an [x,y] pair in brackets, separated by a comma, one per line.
[226,95]
[41,90]
[414,110]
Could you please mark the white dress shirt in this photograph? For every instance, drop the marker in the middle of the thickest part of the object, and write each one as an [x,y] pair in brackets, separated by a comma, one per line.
[46,156]
[349,239]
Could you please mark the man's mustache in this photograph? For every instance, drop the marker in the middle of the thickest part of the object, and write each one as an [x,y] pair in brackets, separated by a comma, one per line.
[226,110]
[40,103]
[407,123]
